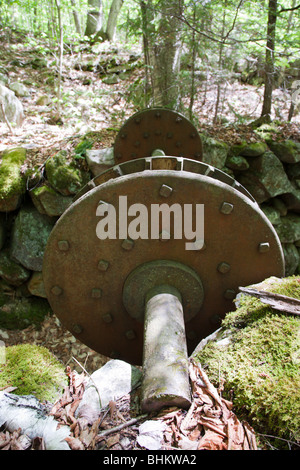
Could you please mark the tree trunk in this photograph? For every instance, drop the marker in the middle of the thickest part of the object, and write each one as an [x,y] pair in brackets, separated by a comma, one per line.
[269,66]
[76,18]
[164,53]
[94,17]
[113,18]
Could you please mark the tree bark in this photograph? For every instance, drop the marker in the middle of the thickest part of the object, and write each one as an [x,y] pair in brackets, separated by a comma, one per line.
[113,18]
[94,17]
[164,52]
[269,66]
[76,18]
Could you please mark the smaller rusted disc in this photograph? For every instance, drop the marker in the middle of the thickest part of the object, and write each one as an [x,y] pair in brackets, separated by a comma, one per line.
[157,128]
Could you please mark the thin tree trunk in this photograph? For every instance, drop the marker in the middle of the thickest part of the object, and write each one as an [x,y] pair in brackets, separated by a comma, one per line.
[269,67]
[113,18]
[165,54]
[76,18]
[61,52]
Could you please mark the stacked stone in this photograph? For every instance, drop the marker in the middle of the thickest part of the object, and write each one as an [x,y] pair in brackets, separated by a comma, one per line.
[30,204]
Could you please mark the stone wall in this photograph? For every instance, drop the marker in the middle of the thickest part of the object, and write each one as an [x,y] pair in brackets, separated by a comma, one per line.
[30,206]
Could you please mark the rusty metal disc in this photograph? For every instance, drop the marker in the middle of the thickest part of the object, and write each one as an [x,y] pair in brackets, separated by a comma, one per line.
[84,276]
[157,128]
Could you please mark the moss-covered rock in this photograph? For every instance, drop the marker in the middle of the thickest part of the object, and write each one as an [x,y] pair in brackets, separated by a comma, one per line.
[215,152]
[288,151]
[20,312]
[12,184]
[64,176]
[12,272]
[34,371]
[49,202]
[259,365]
[29,237]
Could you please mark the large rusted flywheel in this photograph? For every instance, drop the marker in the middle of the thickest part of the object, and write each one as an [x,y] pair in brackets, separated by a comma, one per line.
[91,283]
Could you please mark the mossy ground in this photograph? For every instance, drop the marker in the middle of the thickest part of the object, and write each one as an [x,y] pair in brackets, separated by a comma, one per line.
[259,370]
[34,371]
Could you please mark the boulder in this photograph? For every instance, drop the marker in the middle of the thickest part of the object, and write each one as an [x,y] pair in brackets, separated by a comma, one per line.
[254,149]
[64,176]
[99,160]
[266,178]
[19,89]
[35,285]
[13,273]
[12,184]
[115,379]
[287,151]
[12,106]
[291,258]
[237,163]
[49,202]
[20,312]
[29,237]
[215,152]
[288,229]
[292,200]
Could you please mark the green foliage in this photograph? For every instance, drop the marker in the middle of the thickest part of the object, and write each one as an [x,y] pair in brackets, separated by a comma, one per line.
[34,371]
[260,367]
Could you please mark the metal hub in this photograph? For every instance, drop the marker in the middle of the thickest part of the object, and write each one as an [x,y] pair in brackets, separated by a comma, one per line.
[156,273]
[157,128]
[85,277]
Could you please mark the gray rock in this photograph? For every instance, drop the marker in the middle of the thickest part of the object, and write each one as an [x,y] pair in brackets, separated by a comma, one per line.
[19,89]
[115,379]
[29,237]
[13,107]
[49,202]
[288,229]
[292,200]
[271,213]
[214,152]
[265,178]
[254,149]
[100,160]
[237,163]
[291,258]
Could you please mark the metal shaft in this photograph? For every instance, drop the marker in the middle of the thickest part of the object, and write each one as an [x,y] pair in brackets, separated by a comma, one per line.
[165,359]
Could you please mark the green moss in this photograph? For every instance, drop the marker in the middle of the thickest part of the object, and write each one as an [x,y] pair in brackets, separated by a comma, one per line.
[64,176]
[11,180]
[260,366]
[82,147]
[34,371]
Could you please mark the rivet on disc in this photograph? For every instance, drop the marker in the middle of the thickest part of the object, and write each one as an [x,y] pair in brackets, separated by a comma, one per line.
[193,135]
[107,318]
[127,244]
[103,265]
[178,119]
[165,190]
[226,208]
[56,290]
[130,334]
[123,136]
[137,120]
[169,135]
[263,247]
[223,268]
[96,293]
[118,156]
[63,245]
[178,144]
[146,135]
[157,114]
[229,294]
[137,143]
[77,328]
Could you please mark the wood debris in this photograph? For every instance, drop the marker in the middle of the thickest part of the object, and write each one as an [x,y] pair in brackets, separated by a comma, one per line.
[276,301]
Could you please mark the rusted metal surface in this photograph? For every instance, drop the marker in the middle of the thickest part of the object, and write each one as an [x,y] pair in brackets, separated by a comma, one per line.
[84,276]
[157,128]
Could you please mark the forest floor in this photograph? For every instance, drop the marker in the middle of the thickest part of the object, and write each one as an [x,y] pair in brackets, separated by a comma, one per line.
[90,104]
